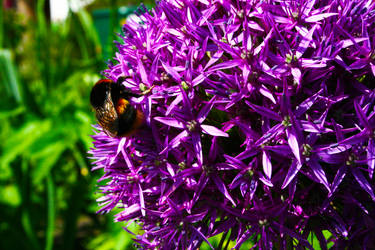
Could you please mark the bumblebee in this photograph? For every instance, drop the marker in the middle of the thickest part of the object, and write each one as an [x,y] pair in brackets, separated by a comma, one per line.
[114,113]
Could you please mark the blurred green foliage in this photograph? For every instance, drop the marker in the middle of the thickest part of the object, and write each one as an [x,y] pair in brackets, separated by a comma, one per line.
[47,191]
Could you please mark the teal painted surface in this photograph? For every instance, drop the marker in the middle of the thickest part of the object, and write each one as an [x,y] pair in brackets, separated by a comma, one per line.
[102,23]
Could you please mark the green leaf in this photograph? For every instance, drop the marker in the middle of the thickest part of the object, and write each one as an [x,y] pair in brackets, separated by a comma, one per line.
[46,159]
[328,235]
[20,141]
[5,114]
[313,240]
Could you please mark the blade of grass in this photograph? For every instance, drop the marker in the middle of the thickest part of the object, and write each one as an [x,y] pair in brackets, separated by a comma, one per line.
[91,34]
[80,38]
[50,212]
[222,239]
[24,185]
[43,49]
[228,240]
[26,223]
[42,24]
[1,25]
[75,204]
[9,74]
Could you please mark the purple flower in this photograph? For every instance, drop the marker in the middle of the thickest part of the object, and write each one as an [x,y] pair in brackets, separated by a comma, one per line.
[259,124]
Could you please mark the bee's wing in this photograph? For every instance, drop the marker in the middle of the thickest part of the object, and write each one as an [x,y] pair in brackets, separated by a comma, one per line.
[107,117]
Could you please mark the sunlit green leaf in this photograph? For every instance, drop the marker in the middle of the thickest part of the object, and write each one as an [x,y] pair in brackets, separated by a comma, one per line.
[20,141]
[9,195]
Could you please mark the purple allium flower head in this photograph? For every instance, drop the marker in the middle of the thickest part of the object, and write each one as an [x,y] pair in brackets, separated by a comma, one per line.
[259,124]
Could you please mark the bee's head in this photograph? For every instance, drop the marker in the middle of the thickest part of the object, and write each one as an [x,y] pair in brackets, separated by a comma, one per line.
[99,93]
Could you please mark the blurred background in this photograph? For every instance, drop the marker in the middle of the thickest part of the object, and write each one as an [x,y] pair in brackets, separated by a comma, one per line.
[51,53]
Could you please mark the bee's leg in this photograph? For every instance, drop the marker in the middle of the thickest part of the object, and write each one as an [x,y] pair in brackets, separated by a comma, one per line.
[122,79]
[146,91]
